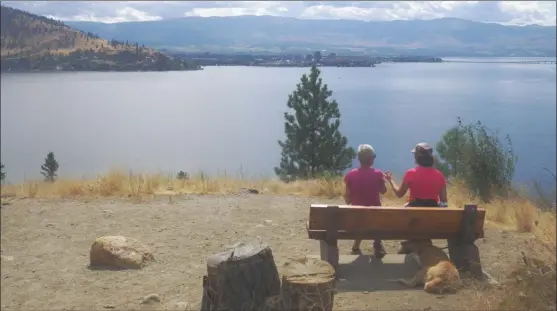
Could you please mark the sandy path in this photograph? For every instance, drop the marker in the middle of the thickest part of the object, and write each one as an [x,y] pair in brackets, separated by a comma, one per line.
[45,249]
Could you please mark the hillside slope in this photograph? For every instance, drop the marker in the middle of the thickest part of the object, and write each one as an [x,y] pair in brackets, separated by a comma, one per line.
[442,37]
[33,42]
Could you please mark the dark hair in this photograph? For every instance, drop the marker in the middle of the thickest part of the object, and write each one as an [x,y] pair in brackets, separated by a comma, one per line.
[424,160]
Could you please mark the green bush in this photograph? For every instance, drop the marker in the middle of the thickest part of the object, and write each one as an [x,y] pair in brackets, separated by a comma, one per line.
[474,154]
[182,175]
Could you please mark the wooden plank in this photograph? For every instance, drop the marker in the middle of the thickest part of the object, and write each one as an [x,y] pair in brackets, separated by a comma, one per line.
[355,222]
[331,235]
[462,250]
[332,224]
[382,235]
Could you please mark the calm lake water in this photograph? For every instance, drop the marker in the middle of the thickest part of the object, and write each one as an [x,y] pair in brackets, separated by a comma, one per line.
[228,119]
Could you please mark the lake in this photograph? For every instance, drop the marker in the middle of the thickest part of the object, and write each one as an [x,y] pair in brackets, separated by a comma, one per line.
[228,119]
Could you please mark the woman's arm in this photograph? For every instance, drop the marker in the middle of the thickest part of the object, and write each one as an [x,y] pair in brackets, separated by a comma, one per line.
[399,191]
[443,194]
[443,199]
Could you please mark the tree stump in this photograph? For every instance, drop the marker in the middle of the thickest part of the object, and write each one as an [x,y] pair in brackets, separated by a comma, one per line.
[308,284]
[241,278]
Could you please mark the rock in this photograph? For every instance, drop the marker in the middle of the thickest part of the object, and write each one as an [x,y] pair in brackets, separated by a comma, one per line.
[7,258]
[109,306]
[151,298]
[119,252]
[182,306]
[249,190]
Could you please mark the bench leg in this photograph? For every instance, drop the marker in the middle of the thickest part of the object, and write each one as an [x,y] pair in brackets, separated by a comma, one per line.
[323,249]
[466,258]
[329,253]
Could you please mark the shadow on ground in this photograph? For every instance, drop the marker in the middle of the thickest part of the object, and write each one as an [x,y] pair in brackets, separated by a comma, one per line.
[360,273]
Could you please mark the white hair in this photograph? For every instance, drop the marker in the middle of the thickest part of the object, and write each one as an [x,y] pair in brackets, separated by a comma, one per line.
[365,152]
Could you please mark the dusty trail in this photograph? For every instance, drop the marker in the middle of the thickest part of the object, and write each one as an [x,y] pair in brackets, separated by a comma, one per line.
[45,252]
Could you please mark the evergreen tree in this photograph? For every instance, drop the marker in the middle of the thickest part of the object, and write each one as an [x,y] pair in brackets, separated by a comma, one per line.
[50,167]
[314,145]
[2,173]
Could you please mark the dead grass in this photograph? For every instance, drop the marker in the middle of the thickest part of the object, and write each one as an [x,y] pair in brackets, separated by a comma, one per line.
[516,212]
[530,286]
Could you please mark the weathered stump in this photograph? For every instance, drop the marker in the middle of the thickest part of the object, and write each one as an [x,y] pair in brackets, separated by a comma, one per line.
[241,278]
[308,284]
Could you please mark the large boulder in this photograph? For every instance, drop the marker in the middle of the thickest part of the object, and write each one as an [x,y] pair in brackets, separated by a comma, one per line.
[119,252]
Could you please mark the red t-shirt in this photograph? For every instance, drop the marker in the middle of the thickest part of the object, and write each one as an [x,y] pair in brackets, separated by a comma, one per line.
[424,183]
[365,185]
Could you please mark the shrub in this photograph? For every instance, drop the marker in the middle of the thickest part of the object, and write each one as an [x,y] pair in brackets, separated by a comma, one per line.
[182,175]
[476,155]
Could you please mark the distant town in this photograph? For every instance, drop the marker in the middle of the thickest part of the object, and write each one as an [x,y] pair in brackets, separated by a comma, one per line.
[296,60]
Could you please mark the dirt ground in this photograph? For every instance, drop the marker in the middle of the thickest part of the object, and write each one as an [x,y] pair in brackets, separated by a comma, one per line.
[45,252]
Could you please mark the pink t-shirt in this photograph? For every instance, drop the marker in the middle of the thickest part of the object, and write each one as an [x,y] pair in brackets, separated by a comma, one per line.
[365,185]
[424,183]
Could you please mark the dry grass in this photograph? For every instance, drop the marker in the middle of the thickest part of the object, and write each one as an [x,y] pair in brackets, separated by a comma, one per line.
[516,212]
[530,286]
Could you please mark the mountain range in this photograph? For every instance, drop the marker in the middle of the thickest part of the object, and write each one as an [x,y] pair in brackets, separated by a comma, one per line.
[32,42]
[437,37]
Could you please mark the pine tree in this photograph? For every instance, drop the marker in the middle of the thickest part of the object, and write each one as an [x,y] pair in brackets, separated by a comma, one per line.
[2,173]
[314,145]
[50,167]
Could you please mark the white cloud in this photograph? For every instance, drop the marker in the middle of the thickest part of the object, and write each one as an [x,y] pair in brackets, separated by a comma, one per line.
[401,10]
[126,14]
[528,12]
[504,12]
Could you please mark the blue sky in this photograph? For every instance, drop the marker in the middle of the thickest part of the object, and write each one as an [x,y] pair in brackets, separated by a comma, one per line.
[504,12]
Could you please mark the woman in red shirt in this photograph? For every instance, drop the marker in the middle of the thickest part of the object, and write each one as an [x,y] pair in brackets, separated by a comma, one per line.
[427,185]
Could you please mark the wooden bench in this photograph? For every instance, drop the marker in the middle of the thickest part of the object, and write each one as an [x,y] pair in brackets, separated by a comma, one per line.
[460,226]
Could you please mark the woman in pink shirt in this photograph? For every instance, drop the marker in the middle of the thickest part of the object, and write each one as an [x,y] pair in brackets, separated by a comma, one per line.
[427,185]
[363,187]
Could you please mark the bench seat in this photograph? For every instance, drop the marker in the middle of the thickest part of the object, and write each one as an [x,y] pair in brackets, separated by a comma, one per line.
[460,226]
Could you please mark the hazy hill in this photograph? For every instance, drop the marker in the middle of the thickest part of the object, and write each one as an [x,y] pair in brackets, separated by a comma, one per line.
[441,37]
[33,34]
[33,42]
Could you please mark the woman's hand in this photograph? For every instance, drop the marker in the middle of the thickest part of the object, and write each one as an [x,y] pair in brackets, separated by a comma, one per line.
[388,175]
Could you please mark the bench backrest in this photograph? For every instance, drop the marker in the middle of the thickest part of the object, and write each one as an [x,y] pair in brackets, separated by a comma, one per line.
[389,223]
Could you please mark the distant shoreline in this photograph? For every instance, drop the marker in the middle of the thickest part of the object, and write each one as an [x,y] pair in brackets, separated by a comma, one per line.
[105,71]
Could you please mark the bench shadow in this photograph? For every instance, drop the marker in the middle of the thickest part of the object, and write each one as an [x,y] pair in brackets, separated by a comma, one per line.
[367,273]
